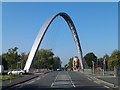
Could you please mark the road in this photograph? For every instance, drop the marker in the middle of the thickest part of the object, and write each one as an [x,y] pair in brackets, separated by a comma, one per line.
[61,80]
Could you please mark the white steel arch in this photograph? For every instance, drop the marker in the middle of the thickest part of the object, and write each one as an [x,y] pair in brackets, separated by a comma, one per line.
[42,32]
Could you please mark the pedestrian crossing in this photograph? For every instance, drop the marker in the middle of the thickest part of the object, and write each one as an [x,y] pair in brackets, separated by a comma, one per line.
[62,80]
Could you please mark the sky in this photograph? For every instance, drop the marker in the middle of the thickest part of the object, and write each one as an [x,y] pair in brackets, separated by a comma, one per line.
[96,24]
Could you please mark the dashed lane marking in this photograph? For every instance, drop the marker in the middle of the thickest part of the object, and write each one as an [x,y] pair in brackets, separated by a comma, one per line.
[96,82]
[38,78]
[30,82]
[55,79]
[89,79]
[71,80]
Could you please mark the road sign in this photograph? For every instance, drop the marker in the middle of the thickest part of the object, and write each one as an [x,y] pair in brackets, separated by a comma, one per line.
[19,62]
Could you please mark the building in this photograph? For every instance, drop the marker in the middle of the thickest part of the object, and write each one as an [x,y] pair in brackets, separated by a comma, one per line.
[76,64]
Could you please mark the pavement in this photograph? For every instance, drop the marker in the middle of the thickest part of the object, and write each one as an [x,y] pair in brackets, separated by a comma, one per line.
[107,79]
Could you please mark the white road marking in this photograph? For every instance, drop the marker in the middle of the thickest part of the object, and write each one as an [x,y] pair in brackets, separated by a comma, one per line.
[27,82]
[38,78]
[71,80]
[89,79]
[96,82]
[30,82]
[99,82]
[103,82]
[67,76]
[108,87]
[55,79]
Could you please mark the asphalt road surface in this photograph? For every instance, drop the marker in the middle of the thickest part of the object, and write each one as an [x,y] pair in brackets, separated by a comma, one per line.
[61,80]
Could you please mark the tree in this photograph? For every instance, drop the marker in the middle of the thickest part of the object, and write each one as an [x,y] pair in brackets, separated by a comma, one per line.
[66,66]
[45,59]
[23,58]
[114,59]
[100,62]
[4,63]
[89,57]
[56,63]
[12,58]
[70,63]
[106,57]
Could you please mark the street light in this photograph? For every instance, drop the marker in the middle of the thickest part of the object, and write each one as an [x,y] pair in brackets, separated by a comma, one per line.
[93,66]
[104,66]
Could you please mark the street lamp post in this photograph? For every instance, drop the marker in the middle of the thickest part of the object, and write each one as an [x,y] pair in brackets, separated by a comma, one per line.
[104,66]
[93,66]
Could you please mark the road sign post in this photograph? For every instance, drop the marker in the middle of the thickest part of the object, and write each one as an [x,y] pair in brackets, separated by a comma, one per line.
[19,65]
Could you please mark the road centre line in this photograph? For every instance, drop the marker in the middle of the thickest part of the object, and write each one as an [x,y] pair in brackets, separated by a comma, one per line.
[55,79]
[71,80]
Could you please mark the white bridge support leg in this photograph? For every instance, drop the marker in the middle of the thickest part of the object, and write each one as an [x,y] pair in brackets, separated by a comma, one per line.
[41,34]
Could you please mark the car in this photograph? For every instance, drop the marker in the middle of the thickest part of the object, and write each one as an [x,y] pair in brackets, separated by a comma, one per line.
[16,71]
[58,69]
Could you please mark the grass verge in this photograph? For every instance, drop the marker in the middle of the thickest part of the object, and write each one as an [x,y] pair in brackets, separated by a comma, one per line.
[8,77]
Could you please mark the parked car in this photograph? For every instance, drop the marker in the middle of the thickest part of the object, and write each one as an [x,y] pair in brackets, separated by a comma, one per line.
[16,71]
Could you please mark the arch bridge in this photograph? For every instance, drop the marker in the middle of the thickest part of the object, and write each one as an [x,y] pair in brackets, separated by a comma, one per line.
[42,32]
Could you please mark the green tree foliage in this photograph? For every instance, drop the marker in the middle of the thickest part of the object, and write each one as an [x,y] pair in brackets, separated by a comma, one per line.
[12,58]
[56,63]
[89,57]
[70,63]
[101,60]
[45,59]
[66,66]
[106,57]
[23,58]
[114,59]
[3,62]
